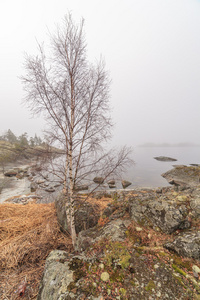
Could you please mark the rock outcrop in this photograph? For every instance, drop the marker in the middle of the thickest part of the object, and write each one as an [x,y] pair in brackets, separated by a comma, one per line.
[183,176]
[56,277]
[114,231]
[145,229]
[159,211]
[186,244]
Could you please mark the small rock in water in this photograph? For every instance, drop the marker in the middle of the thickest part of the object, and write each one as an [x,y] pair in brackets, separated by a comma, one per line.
[165,158]
[111,182]
[98,180]
[50,190]
[81,188]
[125,183]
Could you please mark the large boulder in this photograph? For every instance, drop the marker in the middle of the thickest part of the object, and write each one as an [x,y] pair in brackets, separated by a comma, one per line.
[195,202]
[186,244]
[86,215]
[183,176]
[159,213]
[57,277]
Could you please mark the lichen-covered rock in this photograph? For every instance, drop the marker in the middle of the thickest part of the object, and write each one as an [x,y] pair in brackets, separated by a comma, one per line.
[183,175]
[114,231]
[195,202]
[168,217]
[186,244]
[56,277]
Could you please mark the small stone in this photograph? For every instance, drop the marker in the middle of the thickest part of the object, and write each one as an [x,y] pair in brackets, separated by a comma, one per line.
[159,284]
[111,182]
[158,294]
[156,266]
[196,269]
[101,266]
[108,292]
[94,284]
[138,229]
[105,276]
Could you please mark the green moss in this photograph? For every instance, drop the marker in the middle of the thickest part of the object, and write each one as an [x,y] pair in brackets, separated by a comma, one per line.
[150,286]
[179,262]
[117,253]
[178,270]
[76,265]
[122,291]
[133,282]
[89,289]
[116,276]
[163,254]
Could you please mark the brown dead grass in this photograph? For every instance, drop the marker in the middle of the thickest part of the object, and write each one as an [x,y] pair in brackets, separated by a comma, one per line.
[27,235]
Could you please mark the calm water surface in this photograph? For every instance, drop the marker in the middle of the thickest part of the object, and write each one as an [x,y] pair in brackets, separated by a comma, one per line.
[147,171]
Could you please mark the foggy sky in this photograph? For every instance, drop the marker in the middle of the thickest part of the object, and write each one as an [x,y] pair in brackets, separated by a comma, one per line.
[151,48]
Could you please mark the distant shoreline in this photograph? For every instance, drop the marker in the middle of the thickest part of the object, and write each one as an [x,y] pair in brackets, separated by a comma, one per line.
[163,145]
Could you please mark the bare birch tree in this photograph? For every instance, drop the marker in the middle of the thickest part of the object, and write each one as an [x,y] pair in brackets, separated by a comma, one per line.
[73,95]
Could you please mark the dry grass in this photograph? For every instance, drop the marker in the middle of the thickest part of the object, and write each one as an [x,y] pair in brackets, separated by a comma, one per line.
[27,235]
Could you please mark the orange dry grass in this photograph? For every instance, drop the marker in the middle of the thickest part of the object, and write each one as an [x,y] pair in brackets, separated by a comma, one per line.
[100,204]
[27,235]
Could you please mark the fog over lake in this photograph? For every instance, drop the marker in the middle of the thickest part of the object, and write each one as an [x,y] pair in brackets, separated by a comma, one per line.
[147,171]
[151,50]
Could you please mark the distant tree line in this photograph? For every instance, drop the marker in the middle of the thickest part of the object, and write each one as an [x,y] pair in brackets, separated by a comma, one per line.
[23,140]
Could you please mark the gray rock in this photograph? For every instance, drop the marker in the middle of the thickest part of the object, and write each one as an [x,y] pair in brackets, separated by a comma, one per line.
[112,186]
[159,213]
[98,180]
[33,187]
[114,231]
[195,202]
[183,175]
[81,188]
[125,183]
[50,189]
[186,244]
[56,277]
[112,182]
[86,216]
[40,181]
[11,173]
[165,158]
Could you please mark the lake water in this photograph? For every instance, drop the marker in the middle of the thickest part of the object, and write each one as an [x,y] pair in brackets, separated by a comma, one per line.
[147,171]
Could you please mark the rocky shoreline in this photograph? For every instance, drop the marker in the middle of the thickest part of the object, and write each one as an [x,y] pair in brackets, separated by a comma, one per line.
[143,243]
